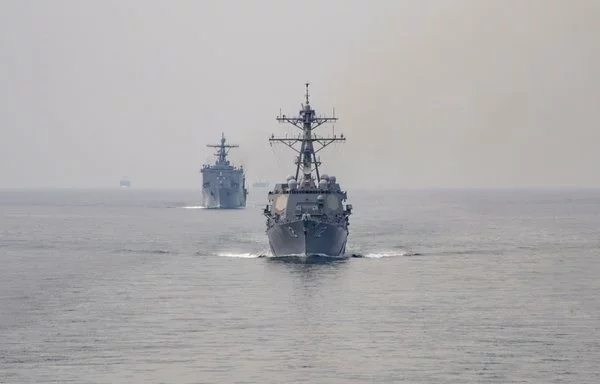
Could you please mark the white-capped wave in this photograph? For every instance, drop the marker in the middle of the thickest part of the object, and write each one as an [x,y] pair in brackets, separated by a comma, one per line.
[193,207]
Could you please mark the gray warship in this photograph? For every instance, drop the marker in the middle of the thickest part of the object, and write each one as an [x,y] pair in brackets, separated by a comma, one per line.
[306,216]
[223,185]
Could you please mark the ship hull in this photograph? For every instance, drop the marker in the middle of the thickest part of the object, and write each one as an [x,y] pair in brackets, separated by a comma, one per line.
[224,198]
[308,238]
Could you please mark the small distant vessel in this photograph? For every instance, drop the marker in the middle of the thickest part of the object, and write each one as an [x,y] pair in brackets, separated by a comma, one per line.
[260,184]
[305,215]
[125,183]
[223,184]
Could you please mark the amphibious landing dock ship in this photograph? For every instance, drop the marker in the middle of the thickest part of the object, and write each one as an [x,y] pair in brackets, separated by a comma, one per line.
[223,185]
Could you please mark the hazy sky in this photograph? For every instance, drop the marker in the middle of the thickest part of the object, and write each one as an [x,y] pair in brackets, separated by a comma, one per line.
[429,93]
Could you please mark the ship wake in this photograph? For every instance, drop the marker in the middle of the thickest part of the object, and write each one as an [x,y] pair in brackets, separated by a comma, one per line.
[243,255]
[384,254]
[364,255]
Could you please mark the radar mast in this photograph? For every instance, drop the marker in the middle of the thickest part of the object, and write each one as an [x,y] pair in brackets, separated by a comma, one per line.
[307,122]
[222,151]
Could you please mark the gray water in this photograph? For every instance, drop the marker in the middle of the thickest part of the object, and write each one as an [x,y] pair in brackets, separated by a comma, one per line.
[128,286]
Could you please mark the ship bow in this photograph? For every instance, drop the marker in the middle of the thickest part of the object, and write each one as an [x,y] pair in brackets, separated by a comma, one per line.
[308,238]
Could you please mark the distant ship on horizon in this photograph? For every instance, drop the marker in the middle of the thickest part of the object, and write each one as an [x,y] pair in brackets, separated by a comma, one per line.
[260,184]
[125,183]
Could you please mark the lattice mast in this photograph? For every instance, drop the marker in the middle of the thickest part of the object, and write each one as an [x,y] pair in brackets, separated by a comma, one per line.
[307,122]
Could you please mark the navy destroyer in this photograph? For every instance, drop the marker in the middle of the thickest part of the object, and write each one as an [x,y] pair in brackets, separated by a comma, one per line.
[223,185]
[306,216]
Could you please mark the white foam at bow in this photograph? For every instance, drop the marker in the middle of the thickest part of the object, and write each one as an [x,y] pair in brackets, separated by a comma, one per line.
[379,255]
[240,255]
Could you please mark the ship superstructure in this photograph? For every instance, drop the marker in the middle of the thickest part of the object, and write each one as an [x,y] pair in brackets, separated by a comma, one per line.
[306,215]
[223,184]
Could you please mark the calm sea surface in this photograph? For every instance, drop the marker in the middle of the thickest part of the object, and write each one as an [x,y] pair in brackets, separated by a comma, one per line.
[130,286]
